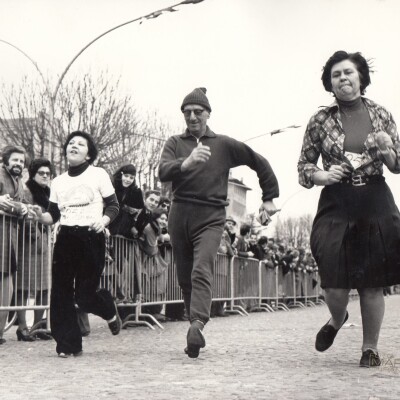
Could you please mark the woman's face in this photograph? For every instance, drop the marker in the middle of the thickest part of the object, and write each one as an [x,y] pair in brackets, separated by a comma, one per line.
[127,179]
[42,176]
[77,151]
[162,221]
[345,80]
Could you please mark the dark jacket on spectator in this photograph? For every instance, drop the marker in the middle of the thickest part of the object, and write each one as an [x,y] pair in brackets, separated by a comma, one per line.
[130,200]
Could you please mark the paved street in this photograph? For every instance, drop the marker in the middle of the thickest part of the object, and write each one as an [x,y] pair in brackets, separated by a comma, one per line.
[263,356]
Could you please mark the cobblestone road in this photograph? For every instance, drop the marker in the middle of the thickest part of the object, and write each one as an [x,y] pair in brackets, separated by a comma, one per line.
[263,356]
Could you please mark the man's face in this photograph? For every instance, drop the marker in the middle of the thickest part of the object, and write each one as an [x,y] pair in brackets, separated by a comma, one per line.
[16,164]
[230,225]
[151,202]
[165,206]
[196,119]
[265,247]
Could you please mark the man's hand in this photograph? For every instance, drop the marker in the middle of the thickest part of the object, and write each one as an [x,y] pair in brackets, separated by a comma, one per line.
[6,202]
[199,155]
[269,207]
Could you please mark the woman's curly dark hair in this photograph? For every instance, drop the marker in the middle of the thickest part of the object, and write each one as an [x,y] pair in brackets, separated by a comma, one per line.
[92,148]
[362,65]
[38,163]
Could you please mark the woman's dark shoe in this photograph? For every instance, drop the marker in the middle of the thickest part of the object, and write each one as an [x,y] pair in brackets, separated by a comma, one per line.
[67,355]
[23,335]
[370,359]
[326,335]
[2,341]
[195,339]
[42,336]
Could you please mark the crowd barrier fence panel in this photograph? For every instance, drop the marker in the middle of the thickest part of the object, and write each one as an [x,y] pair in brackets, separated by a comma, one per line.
[222,278]
[174,294]
[318,292]
[294,288]
[137,280]
[280,284]
[130,276]
[268,288]
[245,284]
[26,247]
[307,285]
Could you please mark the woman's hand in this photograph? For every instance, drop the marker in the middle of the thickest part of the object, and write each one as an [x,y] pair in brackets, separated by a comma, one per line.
[385,145]
[97,226]
[37,210]
[335,174]
[384,142]
[24,210]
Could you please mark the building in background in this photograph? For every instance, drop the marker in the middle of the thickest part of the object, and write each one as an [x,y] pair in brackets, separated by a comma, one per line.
[237,197]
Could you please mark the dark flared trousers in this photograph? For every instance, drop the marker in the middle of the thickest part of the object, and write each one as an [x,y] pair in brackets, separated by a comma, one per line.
[196,232]
[78,262]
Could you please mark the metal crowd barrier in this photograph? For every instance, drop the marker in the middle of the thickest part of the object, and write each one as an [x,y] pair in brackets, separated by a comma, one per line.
[138,281]
[25,269]
[244,284]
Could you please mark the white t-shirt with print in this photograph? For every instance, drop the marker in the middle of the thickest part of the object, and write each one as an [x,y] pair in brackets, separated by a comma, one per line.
[80,198]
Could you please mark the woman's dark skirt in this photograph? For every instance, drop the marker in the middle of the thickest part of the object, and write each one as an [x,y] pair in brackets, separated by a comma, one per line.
[355,238]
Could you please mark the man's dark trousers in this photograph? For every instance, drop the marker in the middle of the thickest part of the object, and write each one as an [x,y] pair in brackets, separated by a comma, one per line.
[196,232]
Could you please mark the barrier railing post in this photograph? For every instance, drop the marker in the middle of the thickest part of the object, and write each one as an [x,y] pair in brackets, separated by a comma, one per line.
[279,300]
[317,290]
[234,308]
[307,300]
[261,305]
[295,303]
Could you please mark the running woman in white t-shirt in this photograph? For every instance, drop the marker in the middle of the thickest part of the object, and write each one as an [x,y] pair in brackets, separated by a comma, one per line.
[77,200]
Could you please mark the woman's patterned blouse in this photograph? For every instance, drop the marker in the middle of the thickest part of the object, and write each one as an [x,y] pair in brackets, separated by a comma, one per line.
[325,136]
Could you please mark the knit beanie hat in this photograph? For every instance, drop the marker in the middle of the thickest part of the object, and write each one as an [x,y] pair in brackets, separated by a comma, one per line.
[197,96]
[129,169]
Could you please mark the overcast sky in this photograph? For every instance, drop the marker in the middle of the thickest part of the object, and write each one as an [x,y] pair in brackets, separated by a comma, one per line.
[260,60]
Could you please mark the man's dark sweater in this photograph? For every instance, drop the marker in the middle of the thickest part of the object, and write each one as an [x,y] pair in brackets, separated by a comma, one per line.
[207,183]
